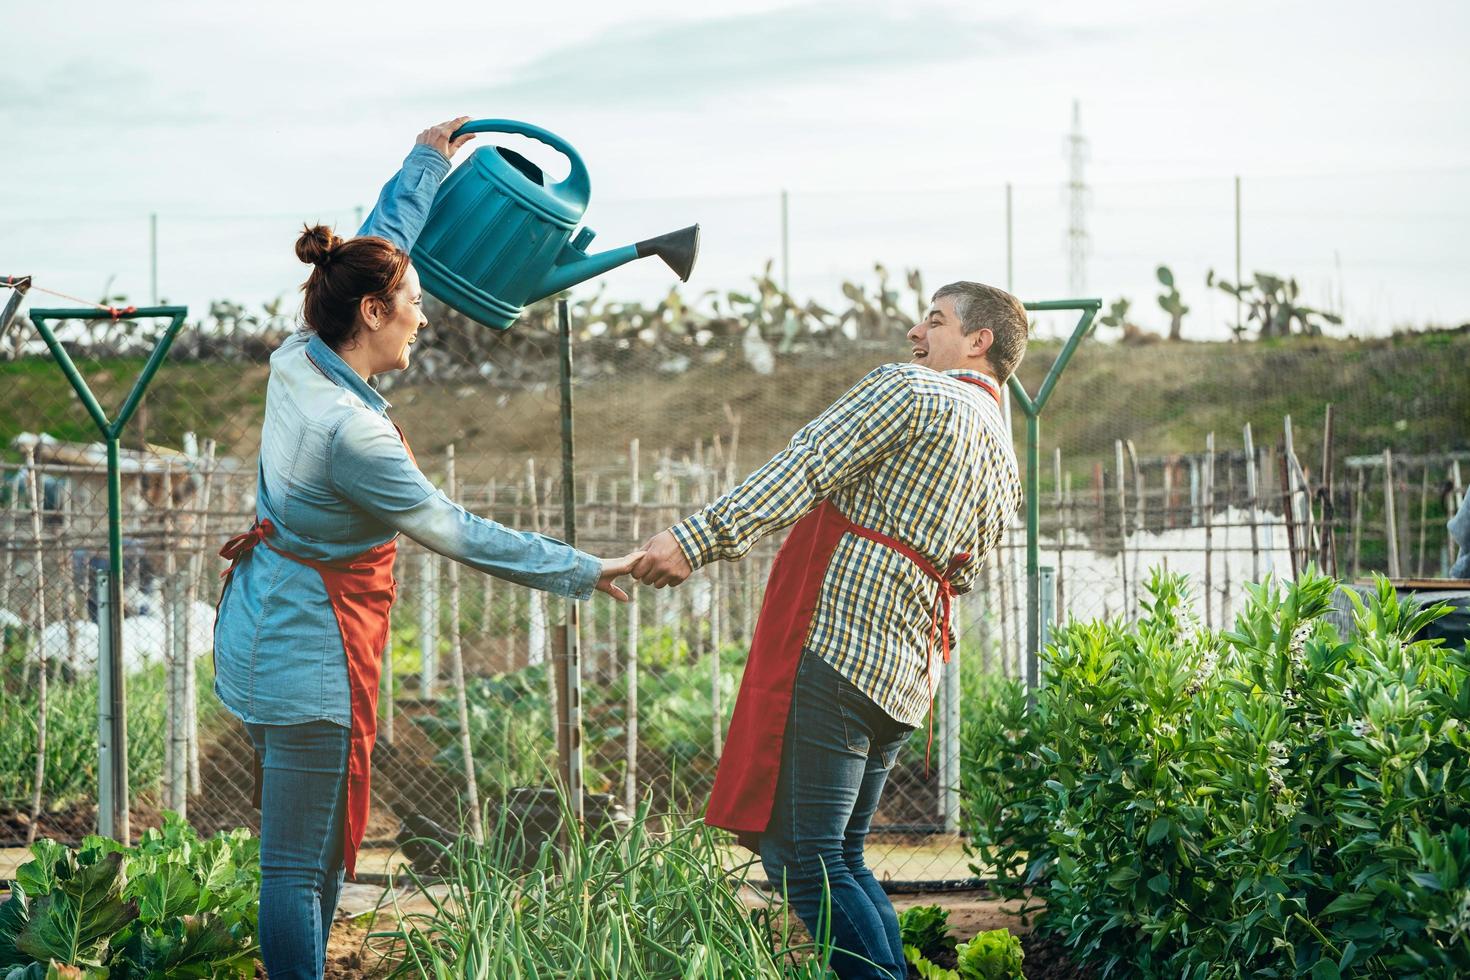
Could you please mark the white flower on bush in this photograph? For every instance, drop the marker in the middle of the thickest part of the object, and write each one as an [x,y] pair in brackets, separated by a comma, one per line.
[1298,646]
[1276,760]
[1204,671]
[1360,728]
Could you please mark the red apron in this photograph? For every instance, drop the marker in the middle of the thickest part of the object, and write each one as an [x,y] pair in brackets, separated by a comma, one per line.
[361,590]
[745,781]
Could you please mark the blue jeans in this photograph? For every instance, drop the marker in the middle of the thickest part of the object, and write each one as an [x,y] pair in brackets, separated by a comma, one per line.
[302,807]
[838,749]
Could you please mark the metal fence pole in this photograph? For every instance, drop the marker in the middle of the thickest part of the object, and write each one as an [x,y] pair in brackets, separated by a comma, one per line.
[106,754]
[1048,603]
[571,706]
[111,430]
[1032,408]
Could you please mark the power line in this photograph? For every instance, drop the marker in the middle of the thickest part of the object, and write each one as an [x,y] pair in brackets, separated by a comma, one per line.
[1077,198]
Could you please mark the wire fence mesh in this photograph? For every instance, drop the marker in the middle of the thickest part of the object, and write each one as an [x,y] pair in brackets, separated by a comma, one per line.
[672,407]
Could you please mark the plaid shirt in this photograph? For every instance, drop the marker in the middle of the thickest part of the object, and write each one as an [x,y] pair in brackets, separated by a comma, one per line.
[910,452]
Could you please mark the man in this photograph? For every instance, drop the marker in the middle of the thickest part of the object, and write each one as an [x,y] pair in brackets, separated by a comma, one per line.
[901,488]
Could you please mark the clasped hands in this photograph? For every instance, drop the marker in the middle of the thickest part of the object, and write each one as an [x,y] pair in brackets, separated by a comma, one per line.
[658,563]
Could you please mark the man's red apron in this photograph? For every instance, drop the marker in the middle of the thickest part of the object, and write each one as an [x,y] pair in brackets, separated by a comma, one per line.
[361,590]
[745,782]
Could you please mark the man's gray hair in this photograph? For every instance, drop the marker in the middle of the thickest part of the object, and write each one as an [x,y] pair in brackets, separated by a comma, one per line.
[977,306]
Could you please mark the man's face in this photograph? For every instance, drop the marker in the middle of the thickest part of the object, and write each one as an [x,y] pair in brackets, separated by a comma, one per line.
[938,340]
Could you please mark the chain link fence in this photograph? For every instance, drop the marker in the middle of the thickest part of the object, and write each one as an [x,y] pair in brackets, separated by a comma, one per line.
[1145,463]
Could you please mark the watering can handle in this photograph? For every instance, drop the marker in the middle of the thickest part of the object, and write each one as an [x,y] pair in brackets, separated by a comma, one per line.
[576,187]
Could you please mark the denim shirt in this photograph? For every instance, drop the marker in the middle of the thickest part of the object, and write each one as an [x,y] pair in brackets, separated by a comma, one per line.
[335,479]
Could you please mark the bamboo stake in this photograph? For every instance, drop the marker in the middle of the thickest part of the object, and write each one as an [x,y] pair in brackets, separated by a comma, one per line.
[1123,528]
[1286,511]
[1209,518]
[537,652]
[1359,492]
[1003,578]
[1138,518]
[1390,516]
[456,658]
[1060,500]
[196,558]
[987,662]
[1252,501]
[487,595]
[1169,504]
[1423,521]
[1327,545]
[1069,516]
[37,493]
[630,775]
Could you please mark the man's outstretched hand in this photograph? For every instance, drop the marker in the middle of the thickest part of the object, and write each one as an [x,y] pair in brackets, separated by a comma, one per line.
[663,562]
[612,570]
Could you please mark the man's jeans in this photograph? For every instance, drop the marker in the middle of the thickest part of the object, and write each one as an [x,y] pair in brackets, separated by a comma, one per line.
[838,749]
[302,804]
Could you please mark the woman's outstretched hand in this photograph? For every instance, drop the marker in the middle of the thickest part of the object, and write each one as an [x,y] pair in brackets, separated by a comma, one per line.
[438,137]
[612,570]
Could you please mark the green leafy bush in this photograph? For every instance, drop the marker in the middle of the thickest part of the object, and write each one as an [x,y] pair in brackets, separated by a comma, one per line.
[174,906]
[1267,801]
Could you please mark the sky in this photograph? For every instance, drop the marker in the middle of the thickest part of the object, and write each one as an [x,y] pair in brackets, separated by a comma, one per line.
[893,127]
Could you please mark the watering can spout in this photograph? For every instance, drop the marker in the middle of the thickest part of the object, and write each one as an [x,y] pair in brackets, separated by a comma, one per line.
[678,249]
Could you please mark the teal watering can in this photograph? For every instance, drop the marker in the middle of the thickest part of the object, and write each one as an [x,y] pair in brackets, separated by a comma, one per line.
[499,234]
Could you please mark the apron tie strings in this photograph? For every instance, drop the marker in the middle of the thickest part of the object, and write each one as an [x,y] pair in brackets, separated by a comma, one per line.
[242,544]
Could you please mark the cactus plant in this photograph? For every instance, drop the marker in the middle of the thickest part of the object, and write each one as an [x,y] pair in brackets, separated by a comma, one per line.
[1171,303]
[1273,305]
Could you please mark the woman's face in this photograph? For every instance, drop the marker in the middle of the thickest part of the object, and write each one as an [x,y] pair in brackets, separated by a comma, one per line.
[399,327]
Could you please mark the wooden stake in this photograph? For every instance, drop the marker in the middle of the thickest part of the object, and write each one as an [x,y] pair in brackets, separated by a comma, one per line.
[37,494]
[456,660]
[1359,493]
[630,775]
[1209,519]
[1390,517]
[1252,501]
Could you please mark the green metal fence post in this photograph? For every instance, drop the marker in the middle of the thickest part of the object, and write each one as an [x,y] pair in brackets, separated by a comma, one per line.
[113,742]
[571,705]
[1032,407]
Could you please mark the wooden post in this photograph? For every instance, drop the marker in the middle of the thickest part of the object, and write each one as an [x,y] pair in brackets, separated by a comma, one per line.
[1252,500]
[1390,517]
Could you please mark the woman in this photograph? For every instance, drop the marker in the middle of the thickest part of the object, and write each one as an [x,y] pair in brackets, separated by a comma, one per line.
[304,613]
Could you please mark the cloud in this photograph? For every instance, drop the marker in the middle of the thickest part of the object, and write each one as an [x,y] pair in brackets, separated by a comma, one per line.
[100,90]
[688,62]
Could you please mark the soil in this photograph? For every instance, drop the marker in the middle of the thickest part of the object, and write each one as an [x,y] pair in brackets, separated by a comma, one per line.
[1047,959]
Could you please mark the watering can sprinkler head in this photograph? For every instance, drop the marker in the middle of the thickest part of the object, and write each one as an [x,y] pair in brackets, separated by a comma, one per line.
[499,233]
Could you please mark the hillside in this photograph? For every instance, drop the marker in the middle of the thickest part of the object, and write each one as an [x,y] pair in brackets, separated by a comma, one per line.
[1409,392]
